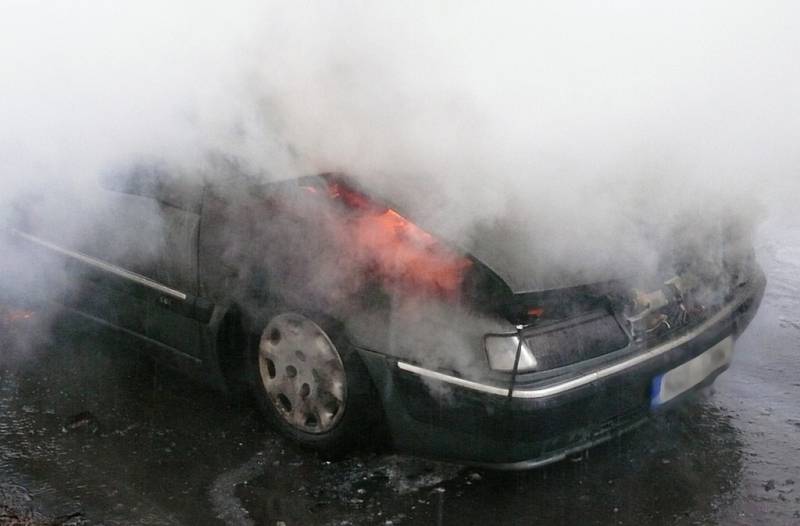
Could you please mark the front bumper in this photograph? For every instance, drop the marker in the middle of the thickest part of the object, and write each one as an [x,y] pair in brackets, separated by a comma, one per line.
[436,414]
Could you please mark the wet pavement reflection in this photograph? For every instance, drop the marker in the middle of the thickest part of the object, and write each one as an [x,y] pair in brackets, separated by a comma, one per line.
[91,433]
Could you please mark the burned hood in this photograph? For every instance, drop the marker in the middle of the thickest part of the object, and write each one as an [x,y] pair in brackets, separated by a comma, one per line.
[534,256]
[531,248]
[533,260]
[562,241]
[641,254]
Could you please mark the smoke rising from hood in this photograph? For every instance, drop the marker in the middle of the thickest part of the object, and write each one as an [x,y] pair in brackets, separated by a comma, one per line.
[591,131]
[577,132]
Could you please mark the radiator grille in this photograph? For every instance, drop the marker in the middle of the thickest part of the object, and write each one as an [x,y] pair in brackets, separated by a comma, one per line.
[576,340]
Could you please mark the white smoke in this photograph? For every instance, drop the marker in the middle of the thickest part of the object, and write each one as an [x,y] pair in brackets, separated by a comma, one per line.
[585,129]
[486,101]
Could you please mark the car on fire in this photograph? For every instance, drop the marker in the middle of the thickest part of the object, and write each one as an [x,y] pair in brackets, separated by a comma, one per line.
[350,322]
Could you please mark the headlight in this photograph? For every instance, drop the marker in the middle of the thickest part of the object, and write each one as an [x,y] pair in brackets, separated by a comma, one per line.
[502,350]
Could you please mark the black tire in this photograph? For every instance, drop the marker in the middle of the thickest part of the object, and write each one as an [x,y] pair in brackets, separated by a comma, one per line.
[359,421]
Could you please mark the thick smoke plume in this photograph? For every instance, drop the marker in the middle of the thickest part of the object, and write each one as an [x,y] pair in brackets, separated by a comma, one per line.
[547,135]
[539,111]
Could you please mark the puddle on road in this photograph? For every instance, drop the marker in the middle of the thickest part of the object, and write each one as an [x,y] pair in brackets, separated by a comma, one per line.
[364,489]
[684,467]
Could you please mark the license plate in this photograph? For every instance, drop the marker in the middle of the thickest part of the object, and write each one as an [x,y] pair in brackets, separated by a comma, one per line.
[667,386]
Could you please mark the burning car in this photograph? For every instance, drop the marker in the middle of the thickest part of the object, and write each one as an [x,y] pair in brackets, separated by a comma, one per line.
[350,321]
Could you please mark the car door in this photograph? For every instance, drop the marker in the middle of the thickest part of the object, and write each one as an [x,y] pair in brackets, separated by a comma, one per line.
[91,250]
[125,254]
[176,316]
[165,210]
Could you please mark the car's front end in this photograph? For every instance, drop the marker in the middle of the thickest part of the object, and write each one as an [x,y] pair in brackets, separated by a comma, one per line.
[523,419]
[518,378]
[473,363]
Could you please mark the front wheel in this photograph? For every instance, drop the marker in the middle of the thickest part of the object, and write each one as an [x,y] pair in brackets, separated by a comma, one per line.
[312,385]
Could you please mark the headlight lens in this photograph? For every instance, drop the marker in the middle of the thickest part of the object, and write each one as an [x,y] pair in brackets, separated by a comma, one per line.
[502,350]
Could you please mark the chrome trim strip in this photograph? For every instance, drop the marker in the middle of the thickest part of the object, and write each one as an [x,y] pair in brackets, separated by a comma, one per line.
[427,373]
[102,265]
[552,390]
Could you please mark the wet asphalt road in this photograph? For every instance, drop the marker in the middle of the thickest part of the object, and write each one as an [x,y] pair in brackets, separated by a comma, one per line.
[93,434]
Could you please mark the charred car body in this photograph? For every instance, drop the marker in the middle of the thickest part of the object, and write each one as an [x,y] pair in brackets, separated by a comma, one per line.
[346,318]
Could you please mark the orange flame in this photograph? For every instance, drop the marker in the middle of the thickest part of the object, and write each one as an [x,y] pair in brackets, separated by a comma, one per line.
[17,315]
[404,254]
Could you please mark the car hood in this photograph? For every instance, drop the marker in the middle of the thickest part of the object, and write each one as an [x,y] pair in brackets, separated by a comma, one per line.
[550,256]
[531,260]
[562,243]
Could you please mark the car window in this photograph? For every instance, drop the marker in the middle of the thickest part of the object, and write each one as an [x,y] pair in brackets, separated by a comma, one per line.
[183,191]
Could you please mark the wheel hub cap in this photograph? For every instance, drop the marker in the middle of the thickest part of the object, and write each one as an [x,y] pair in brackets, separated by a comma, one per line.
[302,373]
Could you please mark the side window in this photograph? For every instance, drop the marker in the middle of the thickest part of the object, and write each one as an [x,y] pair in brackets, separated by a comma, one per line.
[154,218]
[181,191]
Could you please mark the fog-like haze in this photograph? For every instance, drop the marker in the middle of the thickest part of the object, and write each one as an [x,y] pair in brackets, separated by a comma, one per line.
[590,130]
